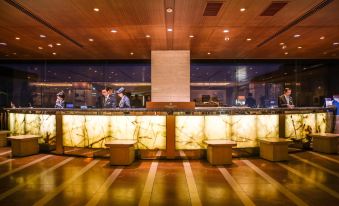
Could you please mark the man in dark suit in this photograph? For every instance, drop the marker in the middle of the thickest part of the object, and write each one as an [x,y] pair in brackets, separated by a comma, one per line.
[286,100]
[109,98]
[250,101]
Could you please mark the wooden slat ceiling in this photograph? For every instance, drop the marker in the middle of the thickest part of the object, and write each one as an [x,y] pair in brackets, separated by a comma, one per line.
[134,19]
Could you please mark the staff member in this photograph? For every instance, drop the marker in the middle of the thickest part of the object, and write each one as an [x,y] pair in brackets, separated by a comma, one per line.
[112,96]
[286,100]
[124,102]
[108,101]
[60,102]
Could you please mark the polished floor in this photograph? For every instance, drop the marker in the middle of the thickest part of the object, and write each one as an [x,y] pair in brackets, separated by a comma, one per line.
[306,179]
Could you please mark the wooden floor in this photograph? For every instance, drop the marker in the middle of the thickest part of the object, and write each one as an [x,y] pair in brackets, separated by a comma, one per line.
[307,179]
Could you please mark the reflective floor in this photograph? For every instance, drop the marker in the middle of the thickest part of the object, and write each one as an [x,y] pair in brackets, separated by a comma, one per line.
[306,179]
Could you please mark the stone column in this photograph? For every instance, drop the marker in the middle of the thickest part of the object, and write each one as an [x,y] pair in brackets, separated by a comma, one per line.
[170,76]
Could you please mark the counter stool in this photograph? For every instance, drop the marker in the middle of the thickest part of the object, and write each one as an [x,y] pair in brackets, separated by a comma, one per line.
[325,142]
[3,137]
[274,149]
[24,145]
[122,152]
[219,152]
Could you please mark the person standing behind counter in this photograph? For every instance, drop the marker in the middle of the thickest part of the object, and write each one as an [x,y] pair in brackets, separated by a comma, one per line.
[124,102]
[286,100]
[60,102]
[109,98]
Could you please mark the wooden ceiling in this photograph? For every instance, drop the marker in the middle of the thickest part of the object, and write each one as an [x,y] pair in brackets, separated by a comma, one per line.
[73,22]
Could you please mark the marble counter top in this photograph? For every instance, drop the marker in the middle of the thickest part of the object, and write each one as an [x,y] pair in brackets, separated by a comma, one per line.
[196,111]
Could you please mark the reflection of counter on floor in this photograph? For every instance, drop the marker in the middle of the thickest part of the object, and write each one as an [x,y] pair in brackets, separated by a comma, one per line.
[168,130]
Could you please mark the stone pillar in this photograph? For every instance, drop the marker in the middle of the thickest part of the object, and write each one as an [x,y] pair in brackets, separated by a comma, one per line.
[170,76]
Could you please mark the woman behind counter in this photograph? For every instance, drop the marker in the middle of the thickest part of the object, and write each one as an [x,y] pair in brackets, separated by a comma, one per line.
[60,102]
[124,102]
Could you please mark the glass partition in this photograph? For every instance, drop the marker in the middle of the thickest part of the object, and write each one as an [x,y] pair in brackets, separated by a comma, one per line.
[254,83]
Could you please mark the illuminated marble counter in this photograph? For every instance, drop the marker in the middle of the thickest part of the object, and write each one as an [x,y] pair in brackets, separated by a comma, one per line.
[168,130]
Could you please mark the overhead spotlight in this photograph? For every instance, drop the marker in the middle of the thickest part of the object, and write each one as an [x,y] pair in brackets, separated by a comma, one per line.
[40,48]
[208,53]
[131,53]
[227,38]
[96,9]
[282,43]
[169,29]
[169,10]
[191,36]
[17,38]
[148,36]
[42,36]
[50,45]
[91,39]
[58,44]
[226,30]
[322,37]
[299,47]
[114,31]
[248,39]
[296,35]
[286,53]
[242,9]
[54,53]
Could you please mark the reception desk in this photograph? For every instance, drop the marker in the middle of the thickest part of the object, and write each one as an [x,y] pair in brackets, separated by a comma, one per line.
[168,130]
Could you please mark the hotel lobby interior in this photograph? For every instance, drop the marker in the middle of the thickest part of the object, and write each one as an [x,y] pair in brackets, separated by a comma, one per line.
[169,102]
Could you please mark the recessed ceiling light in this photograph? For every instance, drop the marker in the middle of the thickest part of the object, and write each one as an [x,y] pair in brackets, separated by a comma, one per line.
[296,35]
[14,53]
[324,53]
[3,43]
[226,30]
[248,39]
[286,53]
[50,45]
[227,38]
[322,37]
[148,36]
[42,36]
[114,31]
[96,9]
[17,38]
[58,44]
[335,43]
[40,47]
[191,36]
[282,43]
[299,47]
[131,53]
[209,53]
[169,10]
[169,29]
[54,53]
[242,9]
[284,47]
[90,39]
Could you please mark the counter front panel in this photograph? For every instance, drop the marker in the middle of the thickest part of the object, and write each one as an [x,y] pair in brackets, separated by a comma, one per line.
[35,124]
[154,129]
[94,131]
